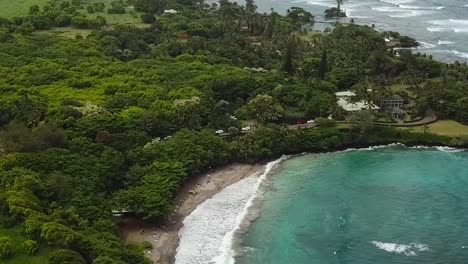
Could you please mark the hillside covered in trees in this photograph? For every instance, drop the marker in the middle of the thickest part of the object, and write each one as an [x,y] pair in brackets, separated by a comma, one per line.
[115,117]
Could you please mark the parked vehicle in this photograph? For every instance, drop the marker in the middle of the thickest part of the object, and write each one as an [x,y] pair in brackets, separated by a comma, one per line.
[247,128]
[220,131]
[311,121]
[301,122]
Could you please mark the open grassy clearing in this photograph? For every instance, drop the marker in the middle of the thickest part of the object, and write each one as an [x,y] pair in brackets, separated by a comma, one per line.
[21,8]
[10,9]
[445,128]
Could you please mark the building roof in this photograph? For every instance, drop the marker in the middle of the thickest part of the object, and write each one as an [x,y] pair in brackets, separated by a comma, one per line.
[394,97]
[345,94]
[170,11]
[355,106]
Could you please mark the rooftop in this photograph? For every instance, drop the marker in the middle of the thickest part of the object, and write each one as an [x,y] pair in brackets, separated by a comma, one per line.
[394,97]
[356,106]
[170,11]
[345,94]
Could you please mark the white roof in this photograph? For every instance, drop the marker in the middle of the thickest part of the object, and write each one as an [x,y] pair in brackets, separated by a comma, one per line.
[345,94]
[170,11]
[355,106]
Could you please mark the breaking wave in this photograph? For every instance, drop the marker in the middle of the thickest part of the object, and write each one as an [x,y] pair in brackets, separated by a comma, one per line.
[401,249]
[208,232]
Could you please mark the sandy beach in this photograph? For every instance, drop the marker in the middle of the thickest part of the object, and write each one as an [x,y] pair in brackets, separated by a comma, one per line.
[194,192]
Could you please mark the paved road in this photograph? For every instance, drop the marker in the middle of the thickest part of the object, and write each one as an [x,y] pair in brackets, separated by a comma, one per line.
[302,126]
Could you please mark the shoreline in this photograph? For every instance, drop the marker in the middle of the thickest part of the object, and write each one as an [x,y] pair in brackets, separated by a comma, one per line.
[194,192]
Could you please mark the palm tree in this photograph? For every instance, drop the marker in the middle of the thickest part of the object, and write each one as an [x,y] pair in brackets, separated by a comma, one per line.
[339,3]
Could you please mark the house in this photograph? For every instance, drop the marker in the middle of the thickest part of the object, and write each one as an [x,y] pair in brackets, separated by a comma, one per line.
[394,105]
[394,101]
[345,101]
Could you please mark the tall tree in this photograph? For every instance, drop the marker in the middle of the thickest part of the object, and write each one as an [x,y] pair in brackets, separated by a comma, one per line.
[250,9]
[264,108]
[338,4]
[322,70]
[288,58]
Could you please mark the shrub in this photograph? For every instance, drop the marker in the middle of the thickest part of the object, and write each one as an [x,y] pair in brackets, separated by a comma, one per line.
[148,18]
[324,122]
[90,9]
[79,22]
[31,246]
[62,20]
[6,246]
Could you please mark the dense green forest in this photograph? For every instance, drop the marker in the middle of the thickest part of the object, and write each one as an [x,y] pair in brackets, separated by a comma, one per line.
[119,118]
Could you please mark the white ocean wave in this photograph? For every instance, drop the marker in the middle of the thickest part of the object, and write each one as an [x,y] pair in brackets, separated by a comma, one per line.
[425,45]
[460,30]
[398,12]
[401,249]
[407,14]
[386,9]
[440,148]
[449,22]
[325,3]
[438,29]
[398,144]
[459,53]
[397,2]
[445,42]
[421,7]
[208,232]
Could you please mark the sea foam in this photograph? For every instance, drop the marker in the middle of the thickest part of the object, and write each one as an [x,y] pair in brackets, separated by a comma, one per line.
[401,249]
[208,233]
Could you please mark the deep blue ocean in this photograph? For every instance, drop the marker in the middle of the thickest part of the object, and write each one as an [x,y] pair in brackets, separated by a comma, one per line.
[441,26]
[385,206]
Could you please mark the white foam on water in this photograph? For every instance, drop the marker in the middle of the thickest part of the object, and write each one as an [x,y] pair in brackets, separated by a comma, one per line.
[386,9]
[460,30]
[396,2]
[421,7]
[207,236]
[440,148]
[438,29]
[445,42]
[401,249]
[425,45]
[398,144]
[325,3]
[459,53]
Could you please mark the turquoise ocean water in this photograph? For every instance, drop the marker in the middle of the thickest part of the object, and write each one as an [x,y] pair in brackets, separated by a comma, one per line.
[388,205]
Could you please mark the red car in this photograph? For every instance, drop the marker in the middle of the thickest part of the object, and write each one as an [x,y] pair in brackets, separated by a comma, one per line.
[301,122]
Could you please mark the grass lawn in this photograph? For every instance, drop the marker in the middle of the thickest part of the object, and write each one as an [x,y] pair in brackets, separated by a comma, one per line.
[20,256]
[10,9]
[15,8]
[67,32]
[444,127]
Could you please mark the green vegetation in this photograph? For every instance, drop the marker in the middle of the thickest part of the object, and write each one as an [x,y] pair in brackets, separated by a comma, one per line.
[19,8]
[97,118]
[445,128]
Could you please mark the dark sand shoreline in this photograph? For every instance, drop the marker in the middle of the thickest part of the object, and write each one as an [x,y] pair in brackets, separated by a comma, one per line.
[165,239]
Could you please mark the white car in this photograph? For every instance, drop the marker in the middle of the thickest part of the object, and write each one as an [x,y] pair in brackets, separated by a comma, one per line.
[219,131]
[311,121]
[247,128]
